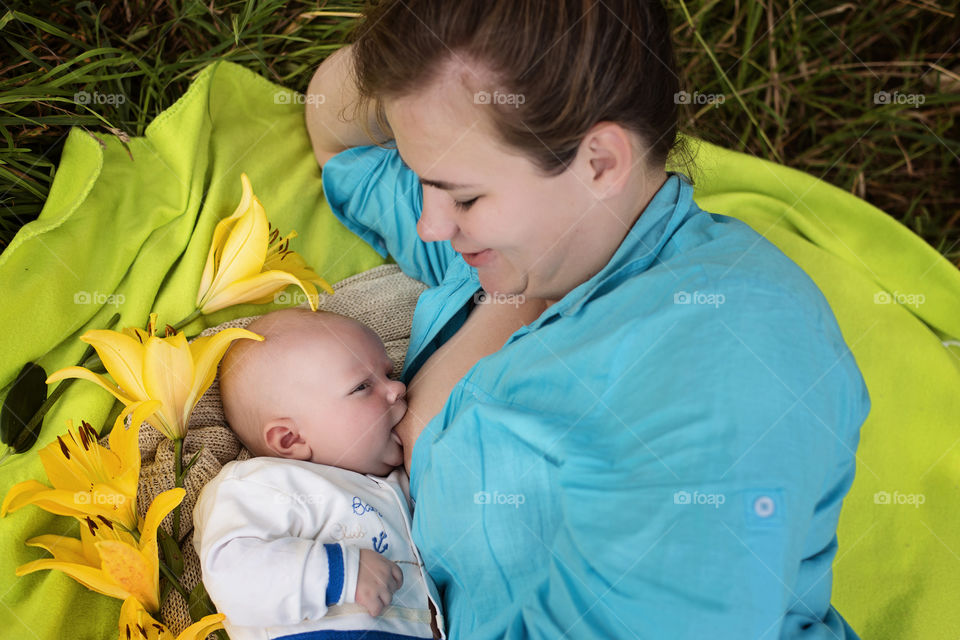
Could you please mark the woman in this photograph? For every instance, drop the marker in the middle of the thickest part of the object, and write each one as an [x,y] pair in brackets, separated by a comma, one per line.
[627,417]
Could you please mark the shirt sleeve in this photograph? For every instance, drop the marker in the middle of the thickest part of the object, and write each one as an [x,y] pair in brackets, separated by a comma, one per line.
[702,505]
[379,198]
[256,568]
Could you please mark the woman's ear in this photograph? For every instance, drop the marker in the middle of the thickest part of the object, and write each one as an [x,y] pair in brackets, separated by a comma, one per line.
[606,158]
[284,440]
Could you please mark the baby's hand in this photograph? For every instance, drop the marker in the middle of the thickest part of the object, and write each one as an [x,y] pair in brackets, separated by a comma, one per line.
[377,579]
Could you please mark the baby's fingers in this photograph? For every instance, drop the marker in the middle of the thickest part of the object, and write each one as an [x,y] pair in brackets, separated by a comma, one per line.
[397,576]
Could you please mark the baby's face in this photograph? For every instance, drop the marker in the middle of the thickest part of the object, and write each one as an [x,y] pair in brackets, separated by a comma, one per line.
[336,383]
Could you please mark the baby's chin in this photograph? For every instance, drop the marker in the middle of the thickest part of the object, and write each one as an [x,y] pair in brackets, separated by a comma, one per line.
[395,458]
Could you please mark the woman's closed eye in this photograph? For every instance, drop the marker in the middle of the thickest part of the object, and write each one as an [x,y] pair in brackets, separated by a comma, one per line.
[463,205]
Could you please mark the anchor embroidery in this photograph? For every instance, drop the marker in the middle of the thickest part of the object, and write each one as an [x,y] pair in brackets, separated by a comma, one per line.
[378,543]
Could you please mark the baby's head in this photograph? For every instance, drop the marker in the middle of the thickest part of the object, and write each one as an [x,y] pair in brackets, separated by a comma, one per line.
[317,388]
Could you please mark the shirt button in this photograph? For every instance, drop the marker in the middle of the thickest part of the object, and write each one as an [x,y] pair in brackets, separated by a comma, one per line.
[764,506]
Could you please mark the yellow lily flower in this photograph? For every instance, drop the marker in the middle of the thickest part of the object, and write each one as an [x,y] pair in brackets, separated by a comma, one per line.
[249,263]
[89,479]
[136,624]
[108,559]
[148,367]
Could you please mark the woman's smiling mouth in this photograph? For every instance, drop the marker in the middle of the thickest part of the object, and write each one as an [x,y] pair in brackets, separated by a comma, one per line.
[479,258]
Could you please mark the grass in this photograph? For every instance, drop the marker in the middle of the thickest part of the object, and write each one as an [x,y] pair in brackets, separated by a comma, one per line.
[798,80]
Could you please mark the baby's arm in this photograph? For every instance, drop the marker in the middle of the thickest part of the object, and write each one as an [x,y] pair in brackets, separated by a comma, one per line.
[266,583]
[261,573]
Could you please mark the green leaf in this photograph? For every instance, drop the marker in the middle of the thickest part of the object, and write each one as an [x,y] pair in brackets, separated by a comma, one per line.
[172,556]
[25,398]
[200,604]
[165,588]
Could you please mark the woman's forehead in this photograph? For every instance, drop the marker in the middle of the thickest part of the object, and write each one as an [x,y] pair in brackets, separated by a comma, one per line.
[447,139]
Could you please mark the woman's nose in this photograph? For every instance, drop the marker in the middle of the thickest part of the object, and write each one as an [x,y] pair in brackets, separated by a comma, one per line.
[436,220]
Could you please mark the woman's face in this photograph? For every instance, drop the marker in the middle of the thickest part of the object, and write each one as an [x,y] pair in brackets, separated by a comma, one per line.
[540,236]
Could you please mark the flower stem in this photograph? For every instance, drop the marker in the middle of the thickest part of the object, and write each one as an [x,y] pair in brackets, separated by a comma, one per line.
[177,482]
[186,321]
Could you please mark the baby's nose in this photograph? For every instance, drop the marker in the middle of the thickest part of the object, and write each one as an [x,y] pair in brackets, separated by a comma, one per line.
[397,390]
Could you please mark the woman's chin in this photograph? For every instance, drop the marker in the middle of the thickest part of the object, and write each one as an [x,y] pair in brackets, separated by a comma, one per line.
[499,284]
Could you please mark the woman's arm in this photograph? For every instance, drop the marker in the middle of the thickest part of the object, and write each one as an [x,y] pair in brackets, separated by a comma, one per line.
[331,101]
[486,329]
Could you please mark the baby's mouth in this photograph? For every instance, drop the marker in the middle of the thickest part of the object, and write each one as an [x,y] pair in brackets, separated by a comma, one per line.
[396,436]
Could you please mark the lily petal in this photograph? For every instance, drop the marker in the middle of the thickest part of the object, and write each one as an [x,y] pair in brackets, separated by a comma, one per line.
[220,233]
[203,627]
[134,617]
[62,548]
[128,568]
[163,504]
[168,377]
[294,264]
[20,495]
[69,466]
[126,443]
[122,356]
[244,250]
[77,504]
[207,352]
[86,374]
[87,576]
[251,289]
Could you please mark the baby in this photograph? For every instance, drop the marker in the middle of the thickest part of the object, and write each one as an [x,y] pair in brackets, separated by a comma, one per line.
[313,534]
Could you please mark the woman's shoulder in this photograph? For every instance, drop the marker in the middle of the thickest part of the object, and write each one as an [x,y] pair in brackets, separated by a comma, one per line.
[713,267]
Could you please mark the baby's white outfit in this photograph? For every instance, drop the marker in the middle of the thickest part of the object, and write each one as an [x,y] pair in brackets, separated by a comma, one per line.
[279,544]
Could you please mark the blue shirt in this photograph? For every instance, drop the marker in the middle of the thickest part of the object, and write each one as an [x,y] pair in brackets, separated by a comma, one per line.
[661,454]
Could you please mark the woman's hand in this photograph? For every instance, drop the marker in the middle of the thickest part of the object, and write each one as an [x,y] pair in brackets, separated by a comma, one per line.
[377,579]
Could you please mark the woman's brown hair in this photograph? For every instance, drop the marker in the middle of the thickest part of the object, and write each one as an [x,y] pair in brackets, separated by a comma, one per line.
[560,67]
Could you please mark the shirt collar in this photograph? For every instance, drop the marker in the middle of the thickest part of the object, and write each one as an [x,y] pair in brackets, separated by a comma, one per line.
[669,208]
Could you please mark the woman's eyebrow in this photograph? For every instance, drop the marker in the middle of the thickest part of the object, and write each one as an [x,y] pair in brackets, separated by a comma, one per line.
[446,186]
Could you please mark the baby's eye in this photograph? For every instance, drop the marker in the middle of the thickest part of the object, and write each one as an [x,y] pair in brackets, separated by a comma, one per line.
[361,387]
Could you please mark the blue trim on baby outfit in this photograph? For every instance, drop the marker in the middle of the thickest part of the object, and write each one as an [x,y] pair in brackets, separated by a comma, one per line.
[335,583]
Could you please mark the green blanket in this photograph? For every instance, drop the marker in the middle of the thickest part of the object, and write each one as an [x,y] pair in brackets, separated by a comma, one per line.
[129,231]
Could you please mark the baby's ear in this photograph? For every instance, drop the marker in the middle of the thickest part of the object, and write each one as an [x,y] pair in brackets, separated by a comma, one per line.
[284,441]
